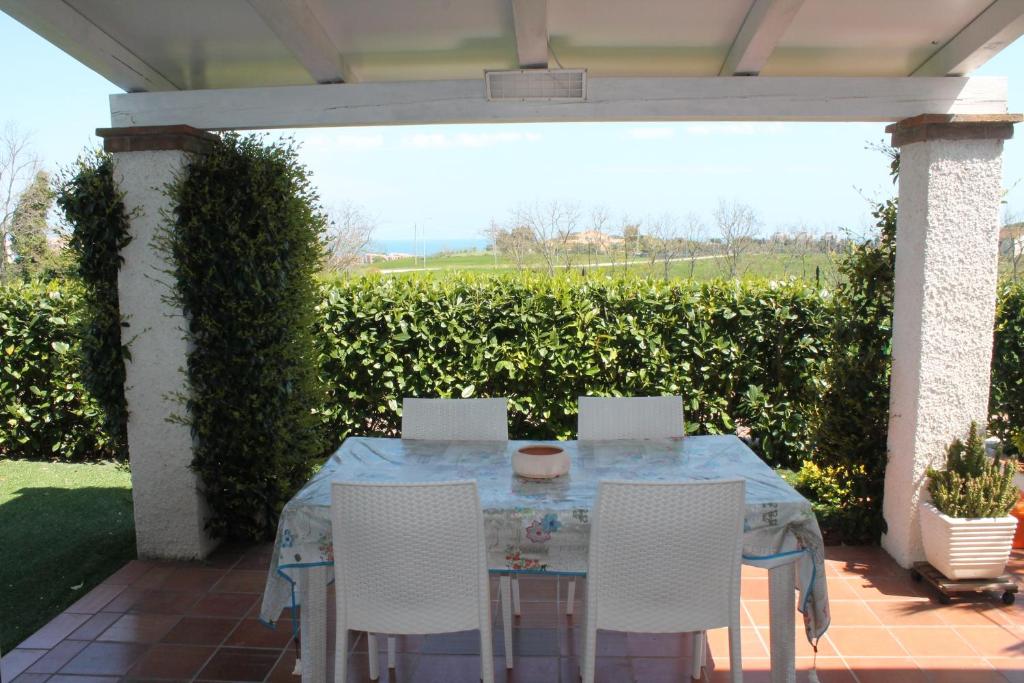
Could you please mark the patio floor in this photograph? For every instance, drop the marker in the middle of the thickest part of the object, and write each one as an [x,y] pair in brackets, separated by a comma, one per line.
[155,621]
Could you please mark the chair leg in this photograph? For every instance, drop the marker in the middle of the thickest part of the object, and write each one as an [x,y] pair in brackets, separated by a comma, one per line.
[374,655]
[698,655]
[516,607]
[391,652]
[486,654]
[735,658]
[570,598]
[589,653]
[341,652]
[505,584]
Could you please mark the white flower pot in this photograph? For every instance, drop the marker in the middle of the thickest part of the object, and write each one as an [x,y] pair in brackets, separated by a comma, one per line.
[966,548]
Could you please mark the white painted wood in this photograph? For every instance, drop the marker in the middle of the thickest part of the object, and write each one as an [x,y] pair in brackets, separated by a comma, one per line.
[1000,24]
[531,22]
[294,23]
[63,26]
[608,99]
[760,32]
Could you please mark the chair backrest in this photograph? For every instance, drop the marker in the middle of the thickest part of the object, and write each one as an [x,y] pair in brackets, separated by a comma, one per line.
[665,556]
[410,558]
[641,417]
[455,419]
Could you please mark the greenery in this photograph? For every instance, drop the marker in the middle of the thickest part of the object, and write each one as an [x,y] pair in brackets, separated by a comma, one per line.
[852,422]
[972,486]
[1006,401]
[45,410]
[93,207]
[65,528]
[740,353]
[244,241]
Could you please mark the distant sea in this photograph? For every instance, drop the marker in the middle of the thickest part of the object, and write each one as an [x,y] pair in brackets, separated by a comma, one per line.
[432,246]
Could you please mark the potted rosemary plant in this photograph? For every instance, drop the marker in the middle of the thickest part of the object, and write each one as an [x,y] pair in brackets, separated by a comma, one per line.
[966,529]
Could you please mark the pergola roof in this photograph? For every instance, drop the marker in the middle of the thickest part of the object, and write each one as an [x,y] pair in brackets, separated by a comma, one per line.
[157,45]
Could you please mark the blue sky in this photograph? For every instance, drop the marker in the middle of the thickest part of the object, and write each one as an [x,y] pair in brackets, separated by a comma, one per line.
[452,180]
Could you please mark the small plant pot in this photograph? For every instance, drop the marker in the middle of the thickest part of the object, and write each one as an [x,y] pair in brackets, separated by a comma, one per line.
[540,462]
[966,548]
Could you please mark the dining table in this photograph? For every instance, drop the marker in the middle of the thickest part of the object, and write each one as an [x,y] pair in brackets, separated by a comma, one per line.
[543,526]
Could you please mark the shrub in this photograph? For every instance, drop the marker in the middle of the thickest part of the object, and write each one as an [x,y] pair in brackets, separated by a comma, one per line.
[1006,400]
[244,244]
[743,353]
[972,486]
[93,207]
[46,413]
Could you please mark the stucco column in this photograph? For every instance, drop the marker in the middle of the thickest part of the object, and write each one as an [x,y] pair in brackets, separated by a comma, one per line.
[947,240]
[170,510]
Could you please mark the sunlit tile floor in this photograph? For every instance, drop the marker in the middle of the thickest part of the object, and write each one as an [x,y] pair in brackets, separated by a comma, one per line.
[157,621]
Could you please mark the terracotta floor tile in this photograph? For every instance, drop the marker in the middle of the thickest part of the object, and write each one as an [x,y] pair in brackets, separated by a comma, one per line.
[139,628]
[54,660]
[907,612]
[862,641]
[803,646]
[448,668]
[165,602]
[660,669]
[210,631]
[750,644]
[241,581]
[526,670]
[172,661]
[110,659]
[959,670]
[994,641]
[850,613]
[131,572]
[886,669]
[97,624]
[192,579]
[543,614]
[1011,667]
[224,605]
[610,670]
[96,599]
[57,630]
[609,643]
[754,589]
[253,633]
[829,670]
[841,589]
[152,579]
[16,661]
[31,678]
[65,678]
[973,614]
[884,588]
[932,641]
[239,664]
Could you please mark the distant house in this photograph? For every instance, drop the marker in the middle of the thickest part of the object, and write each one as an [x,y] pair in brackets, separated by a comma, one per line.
[372,257]
[593,238]
[1011,240]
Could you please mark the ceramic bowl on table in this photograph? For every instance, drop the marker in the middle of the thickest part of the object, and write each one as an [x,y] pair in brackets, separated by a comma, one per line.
[540,462]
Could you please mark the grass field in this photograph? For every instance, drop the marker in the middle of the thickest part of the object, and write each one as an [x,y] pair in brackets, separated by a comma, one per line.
[64,528]
[704,268]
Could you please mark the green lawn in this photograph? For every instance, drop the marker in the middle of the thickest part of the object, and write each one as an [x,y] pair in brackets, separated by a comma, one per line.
[63,529]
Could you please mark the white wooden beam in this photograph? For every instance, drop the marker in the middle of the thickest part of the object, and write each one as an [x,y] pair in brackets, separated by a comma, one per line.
[65,27]
[764,25]
[531,22]
[608,99]
[1000,24]
[295,25]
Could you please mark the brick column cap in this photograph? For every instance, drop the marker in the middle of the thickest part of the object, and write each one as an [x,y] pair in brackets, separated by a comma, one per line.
[953,127]
[155,138]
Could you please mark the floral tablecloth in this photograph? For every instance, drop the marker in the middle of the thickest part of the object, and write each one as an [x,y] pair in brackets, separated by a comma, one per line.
[544,526]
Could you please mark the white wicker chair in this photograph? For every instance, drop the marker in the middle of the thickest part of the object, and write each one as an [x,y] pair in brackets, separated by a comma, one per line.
[626,417]
[411,559]
[458,419]
[665,558]
[642,417]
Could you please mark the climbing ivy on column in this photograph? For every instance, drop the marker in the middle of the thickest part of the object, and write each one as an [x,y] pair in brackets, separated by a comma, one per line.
[244,244]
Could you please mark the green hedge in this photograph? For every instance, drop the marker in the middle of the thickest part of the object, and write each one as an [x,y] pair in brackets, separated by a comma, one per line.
[45,411]
[737,352]
[1006,401]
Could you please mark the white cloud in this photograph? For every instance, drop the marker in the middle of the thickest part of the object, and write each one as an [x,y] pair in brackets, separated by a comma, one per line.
[466,140]
[649,133]
[735,128]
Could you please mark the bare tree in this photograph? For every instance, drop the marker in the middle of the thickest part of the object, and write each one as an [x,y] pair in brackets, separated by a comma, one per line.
[18,166]
[492,232]
[694,237]
[630,240]
[599,219]
[349,232]
[553,225]
[517,242]
[737,225]
[663,241]
[1011,243]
